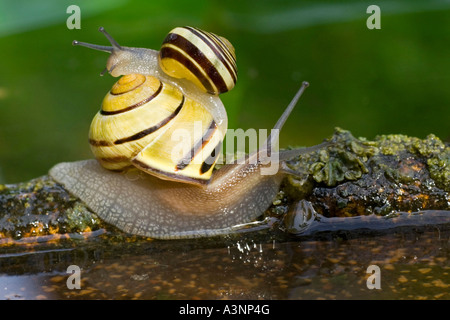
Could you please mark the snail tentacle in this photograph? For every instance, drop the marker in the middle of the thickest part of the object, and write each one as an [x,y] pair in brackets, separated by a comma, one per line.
[93,46]
[272,140]
[111,40]
[114,44]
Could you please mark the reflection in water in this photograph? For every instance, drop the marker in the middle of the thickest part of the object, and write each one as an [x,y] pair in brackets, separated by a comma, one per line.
[413,264]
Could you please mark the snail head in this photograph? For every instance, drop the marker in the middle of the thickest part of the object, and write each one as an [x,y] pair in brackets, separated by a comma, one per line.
[120,57]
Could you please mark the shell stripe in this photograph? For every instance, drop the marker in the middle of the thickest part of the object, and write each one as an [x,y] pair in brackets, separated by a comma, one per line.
[230,60]
[219,49]
[141,134]
[100,143]
[206,50]
[152,129]
[208,72]
[209,162]
[197,65]
[198,146]
[231,56]
[174,176]
[136,105]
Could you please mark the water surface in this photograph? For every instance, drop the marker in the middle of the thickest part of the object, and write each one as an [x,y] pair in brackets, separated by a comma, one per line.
[413,264]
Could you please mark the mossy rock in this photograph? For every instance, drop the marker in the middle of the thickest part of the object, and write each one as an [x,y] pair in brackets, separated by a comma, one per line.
[358,176]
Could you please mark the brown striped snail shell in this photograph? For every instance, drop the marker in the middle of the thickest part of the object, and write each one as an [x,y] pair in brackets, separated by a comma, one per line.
[202,57]
[161,94]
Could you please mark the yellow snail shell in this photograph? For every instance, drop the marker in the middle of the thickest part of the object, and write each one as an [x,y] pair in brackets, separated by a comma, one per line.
[136,126]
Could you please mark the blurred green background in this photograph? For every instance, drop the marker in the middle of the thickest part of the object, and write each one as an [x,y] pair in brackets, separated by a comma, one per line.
[393,80]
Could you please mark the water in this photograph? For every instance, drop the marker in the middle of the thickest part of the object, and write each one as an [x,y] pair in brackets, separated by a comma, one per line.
[413,265]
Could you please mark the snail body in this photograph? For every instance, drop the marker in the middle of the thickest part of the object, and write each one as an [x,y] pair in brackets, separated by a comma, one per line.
[156,208]
[159,195]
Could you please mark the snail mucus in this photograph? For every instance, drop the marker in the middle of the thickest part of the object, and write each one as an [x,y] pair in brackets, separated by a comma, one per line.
[157,194]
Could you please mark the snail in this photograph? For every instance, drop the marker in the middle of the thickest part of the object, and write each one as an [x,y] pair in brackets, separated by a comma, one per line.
[149,199]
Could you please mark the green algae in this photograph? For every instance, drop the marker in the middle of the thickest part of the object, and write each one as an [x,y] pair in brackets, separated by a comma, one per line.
[346,159]
[79,218]
[439,167]
[436,153]
[41,207]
